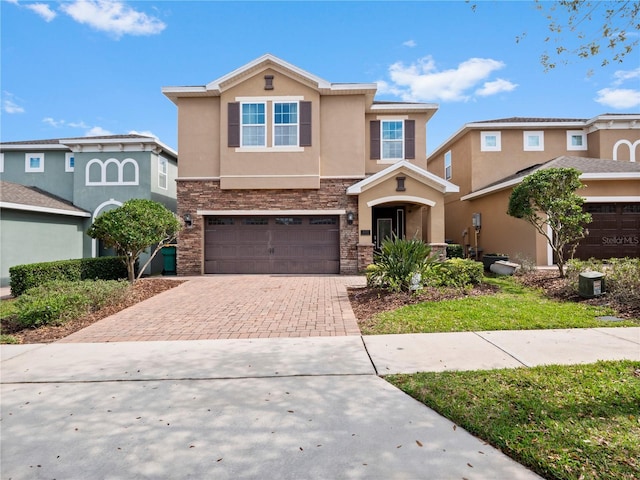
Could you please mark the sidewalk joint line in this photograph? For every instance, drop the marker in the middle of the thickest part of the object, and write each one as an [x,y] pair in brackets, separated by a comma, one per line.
[184,379]
[502,350]
[364,344]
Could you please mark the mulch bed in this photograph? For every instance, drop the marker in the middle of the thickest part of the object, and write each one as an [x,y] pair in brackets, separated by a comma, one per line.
[141,290]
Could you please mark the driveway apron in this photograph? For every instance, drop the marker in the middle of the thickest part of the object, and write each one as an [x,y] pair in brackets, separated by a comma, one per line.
[234,307]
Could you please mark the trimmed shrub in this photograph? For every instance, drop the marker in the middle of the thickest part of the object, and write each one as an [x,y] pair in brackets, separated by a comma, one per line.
[399,263]
[24,277]
[454,272]
[455,250]
[58,301]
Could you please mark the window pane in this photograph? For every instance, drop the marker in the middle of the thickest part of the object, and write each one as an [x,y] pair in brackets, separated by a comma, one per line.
[34,162]
[286,113]
[576,140]
[490,141]
[533,141]
[253,136]
[72,162]
[253,113]
[392,150]
[391,130]
[286,135]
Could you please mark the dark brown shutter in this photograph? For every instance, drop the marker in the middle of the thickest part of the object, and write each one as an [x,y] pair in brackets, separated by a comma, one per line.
[233,124]
[374,133]
[305,124]
[409,139]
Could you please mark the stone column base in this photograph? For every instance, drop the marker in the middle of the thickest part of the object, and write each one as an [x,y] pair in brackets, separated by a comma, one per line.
[365,256]
[439,251]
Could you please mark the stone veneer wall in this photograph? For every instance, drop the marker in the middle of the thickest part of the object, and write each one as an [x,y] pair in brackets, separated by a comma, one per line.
[194,195]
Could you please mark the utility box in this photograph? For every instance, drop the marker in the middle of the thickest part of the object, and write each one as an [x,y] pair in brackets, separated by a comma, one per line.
[591,284]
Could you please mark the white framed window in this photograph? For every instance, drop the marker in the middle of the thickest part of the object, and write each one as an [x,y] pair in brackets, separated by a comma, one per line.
[533,141]
[447,165]
[253,129]
[33,162]
[163,173]
[392,141]
[576,140]
[285,124]
[490,141]
[69,162]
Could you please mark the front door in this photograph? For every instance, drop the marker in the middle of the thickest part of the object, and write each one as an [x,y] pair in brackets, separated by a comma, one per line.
[388,221]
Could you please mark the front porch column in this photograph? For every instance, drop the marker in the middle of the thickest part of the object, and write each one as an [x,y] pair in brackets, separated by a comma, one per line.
[365,256]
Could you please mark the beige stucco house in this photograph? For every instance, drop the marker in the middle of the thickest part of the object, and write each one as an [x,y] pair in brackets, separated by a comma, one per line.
[487,159]
[284,172]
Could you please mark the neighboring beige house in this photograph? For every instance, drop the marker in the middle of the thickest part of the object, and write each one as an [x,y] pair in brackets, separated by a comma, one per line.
[284,172]
[486,159]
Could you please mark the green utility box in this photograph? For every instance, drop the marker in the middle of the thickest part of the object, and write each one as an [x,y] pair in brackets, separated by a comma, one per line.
[591,284]
[169,266]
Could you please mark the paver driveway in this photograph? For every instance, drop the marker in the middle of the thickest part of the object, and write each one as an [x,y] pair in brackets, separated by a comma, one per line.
[235,306]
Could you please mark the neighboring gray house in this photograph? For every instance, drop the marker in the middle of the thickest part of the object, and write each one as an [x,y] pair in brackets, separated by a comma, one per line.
[71,182]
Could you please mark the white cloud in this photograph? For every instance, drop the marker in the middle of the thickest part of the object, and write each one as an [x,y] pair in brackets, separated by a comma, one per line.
[497,86]
[15,2]
[410,43]
[53,122]
[113,16]
[43,10]
[145,133]
[422,81]
[622,76]
[97,132]
[618,98]
[9,104]
[79,124]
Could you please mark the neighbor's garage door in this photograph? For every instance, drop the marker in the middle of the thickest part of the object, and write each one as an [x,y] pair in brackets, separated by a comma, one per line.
[264,244]
[614,231]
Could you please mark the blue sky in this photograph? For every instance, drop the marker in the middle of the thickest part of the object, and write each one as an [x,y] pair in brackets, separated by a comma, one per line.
[93,67]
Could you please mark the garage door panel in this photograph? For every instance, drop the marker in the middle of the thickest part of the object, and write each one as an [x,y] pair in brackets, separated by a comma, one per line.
[293,244]
[613,232]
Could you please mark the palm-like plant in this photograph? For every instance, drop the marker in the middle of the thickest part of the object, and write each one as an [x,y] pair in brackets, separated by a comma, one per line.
[399,264]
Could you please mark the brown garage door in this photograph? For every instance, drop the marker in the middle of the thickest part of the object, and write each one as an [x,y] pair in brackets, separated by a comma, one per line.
[265,244]
[614,231]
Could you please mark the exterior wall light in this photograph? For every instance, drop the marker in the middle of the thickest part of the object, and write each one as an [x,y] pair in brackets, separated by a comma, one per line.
[350,217]
[188,221]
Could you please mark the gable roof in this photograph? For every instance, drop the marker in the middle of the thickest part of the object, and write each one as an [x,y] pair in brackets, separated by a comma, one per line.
[590,168]
[217,86]
[14,196]
[424,176]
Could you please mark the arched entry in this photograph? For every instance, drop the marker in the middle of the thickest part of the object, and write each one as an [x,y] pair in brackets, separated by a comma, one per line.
[104,206]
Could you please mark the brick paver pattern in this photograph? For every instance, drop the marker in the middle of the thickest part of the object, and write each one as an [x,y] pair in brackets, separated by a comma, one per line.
[234,306]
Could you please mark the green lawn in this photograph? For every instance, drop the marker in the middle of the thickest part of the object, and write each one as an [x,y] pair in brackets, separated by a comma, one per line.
[514,308]
[564,422]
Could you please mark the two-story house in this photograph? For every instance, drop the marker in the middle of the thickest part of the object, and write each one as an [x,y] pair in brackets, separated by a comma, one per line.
[52,190]
[487,159]
[284,172]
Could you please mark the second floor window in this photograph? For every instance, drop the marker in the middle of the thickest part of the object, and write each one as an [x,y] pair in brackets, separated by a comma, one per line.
[392,140]
[285,124]
[490,142]
[34,162]
[253,125]
[576,140]
[163,173]
[447,165]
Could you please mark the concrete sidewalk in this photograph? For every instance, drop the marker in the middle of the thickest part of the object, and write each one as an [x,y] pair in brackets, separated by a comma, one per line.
[310,408]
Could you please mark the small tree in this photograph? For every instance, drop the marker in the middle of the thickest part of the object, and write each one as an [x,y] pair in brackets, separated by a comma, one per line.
[132,228]
[547,200]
